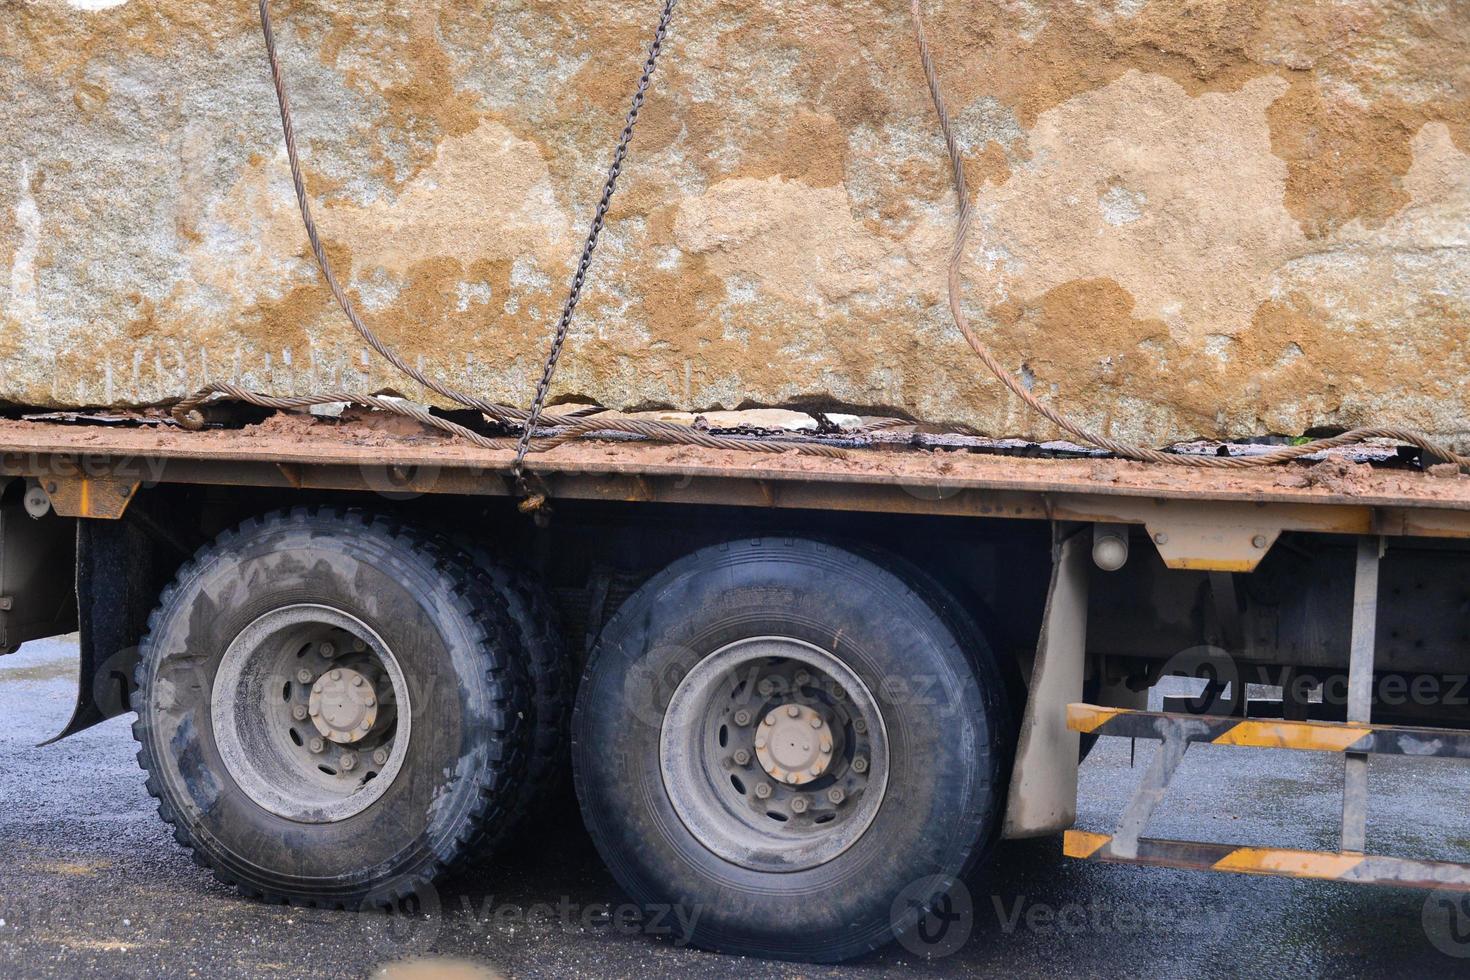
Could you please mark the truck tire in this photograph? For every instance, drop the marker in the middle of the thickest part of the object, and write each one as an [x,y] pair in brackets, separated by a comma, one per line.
[796,747]
[538,629]
[330,709]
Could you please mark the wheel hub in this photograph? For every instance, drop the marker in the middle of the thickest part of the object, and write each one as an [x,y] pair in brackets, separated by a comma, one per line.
[793,744]
[343,705]
[311,713]
[774,754]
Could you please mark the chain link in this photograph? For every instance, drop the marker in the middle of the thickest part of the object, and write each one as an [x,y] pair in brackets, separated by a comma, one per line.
[585,262]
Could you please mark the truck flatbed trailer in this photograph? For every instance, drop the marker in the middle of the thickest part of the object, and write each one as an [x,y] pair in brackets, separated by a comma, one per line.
[761,649]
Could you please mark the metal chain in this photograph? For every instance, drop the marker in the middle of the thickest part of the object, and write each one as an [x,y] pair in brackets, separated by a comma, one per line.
[571,425]
[1060,418]
[585,262]
[188,413]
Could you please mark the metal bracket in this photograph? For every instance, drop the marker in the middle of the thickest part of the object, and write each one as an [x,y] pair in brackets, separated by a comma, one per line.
[1210,545]
[1360,691]
[1176,734]
[102,497]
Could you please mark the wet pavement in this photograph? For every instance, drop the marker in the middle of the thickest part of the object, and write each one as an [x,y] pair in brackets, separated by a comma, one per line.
[91,883]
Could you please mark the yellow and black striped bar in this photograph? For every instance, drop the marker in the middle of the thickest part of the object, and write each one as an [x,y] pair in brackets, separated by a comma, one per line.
[1307,736]
[1362,869]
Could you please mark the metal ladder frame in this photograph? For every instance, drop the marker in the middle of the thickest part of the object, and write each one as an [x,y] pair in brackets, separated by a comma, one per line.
[1357,739]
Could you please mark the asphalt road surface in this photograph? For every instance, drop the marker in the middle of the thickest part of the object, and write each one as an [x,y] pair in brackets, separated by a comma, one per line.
[92,884]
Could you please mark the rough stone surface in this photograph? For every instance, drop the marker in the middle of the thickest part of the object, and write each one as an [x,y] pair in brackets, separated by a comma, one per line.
[1199,218]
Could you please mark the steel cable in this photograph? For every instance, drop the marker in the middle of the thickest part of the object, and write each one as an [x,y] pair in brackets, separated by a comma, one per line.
[577,425]
[188,411]
[1059,418]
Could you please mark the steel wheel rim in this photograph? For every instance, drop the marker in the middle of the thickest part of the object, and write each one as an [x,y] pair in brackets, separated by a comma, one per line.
[714,773]
[319,750]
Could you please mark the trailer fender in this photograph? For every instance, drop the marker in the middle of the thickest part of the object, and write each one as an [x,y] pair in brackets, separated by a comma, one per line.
[116,591]
[1043,796]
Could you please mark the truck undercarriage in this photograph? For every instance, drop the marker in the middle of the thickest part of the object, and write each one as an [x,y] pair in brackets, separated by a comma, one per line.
[1307,605]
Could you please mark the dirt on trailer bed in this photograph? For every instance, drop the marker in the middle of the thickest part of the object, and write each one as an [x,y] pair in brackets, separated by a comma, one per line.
[359,439]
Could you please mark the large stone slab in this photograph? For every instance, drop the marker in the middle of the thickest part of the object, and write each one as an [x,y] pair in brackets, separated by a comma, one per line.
[1204,218]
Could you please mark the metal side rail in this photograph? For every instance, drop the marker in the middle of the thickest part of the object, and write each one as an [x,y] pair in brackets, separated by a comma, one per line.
[1363,869]
[1305,736]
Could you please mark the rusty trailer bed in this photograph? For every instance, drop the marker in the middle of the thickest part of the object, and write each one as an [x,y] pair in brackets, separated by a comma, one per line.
[1198,518]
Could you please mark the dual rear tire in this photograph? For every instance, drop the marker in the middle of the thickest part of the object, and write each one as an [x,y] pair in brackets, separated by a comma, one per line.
[334,708]
[798,747]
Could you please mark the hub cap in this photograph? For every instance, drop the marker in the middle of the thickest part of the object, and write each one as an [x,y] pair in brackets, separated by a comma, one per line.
[343,706]
[774,754]
[793,744]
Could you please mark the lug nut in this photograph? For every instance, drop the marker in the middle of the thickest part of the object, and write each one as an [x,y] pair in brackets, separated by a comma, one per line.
[770,719]
[803,679]
[792,711]
[357,681]
[336,675]
[766,687]
[835,795]
[742,717]
[860,726]
[760,743]
[763,790]
[317,745]
[742,758]
[380,756]
[357,645]
[799,805]
[816,722]
[299,712]
[303,675]
[826,746]
[859,764]
[348,762]
[327,650]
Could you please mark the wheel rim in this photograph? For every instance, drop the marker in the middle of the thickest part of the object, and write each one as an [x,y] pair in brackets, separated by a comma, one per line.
[311,713]
[774,754]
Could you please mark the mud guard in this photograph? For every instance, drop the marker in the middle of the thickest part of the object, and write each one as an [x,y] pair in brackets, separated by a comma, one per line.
[1043,797]
[116,590]
[36,599]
